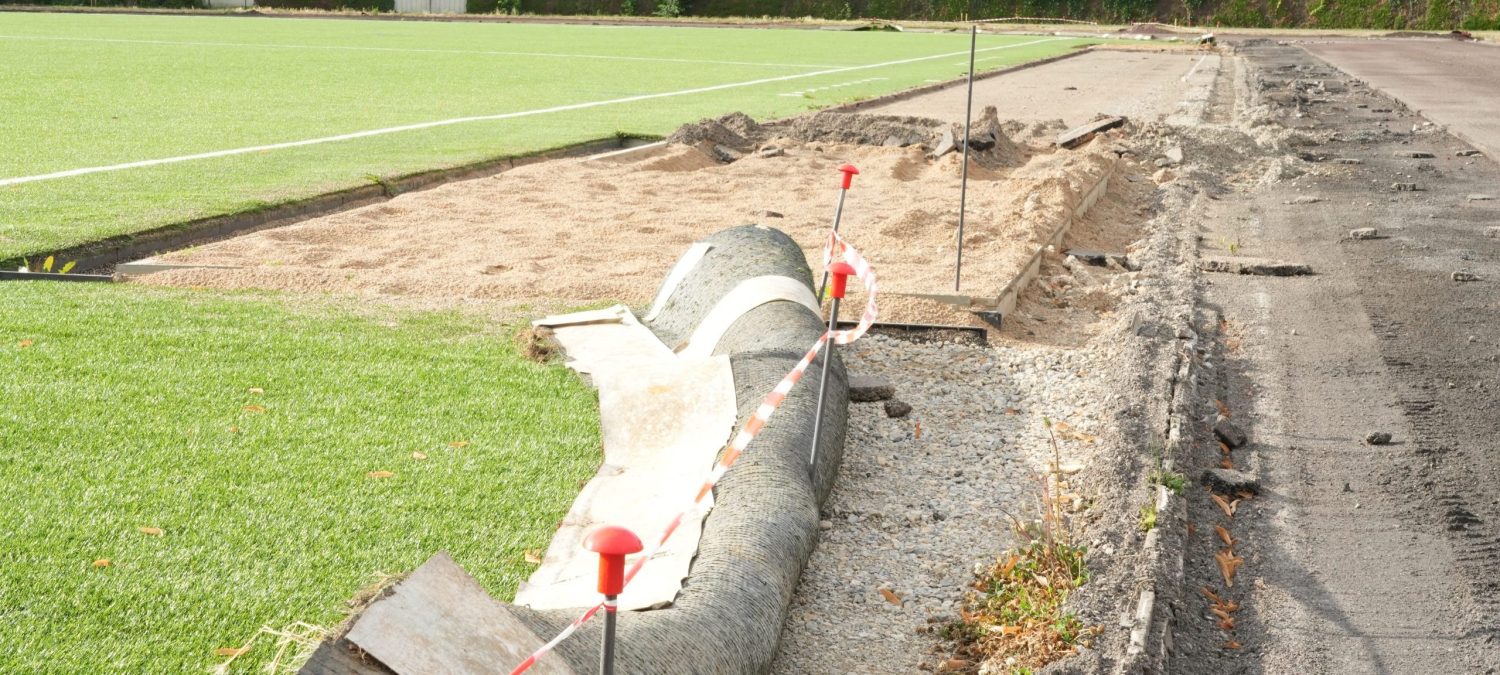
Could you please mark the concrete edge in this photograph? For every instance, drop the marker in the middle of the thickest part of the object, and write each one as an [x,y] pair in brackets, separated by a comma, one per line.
[856,106]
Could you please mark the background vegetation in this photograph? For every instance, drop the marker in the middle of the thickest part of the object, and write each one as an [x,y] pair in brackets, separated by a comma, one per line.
[1362,14]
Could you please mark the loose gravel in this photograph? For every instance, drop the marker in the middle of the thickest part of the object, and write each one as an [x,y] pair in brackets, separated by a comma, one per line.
[922,500]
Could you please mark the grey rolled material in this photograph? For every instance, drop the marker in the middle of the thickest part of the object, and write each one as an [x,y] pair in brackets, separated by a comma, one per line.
[764,524]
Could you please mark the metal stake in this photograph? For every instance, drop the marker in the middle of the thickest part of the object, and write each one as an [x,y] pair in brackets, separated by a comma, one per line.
[838,213]
[963,190]
[833,321]
[607,649]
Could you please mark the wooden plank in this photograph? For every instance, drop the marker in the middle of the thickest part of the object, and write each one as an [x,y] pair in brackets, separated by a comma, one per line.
[1079,135]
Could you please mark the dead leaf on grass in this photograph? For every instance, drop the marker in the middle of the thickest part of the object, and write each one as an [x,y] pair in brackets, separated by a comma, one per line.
[233,429]
[256,409]
[458,444]
[419,456]
[102,562]
[255,390]
[24,344]
[534,557]
[381,474]
[230,651]
[153,531]
[891,597]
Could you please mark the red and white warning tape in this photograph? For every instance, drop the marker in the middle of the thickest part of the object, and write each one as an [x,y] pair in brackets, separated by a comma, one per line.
[753,426]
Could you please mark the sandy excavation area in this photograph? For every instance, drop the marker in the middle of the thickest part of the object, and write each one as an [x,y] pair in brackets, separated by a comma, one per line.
[574,232]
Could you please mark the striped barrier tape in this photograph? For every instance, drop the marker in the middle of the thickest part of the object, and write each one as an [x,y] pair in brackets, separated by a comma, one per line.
[753,426]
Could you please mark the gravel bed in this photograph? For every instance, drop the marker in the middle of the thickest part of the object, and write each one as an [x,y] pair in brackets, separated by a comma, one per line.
[914,512]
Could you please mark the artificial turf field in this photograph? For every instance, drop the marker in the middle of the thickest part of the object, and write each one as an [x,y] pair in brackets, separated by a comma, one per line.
[81,92]
[244,428]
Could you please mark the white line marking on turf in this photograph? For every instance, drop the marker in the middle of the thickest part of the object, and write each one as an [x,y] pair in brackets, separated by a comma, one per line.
[834,86]
[1194,69]
[486,118]
[414,50]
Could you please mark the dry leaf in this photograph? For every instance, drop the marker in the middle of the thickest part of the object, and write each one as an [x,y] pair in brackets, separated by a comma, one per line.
[153,531]
[1225,505]
[1223,409]
[102,562]
[1191,529]
[1224,447]
[918,431]
[1226,625]
[1066,431]
[1228,564]
[230,651]
[458,444]
[419,456]
[255,390]
[891,597]
[255,408]
[233,429]
[1220,613]
[534,557]
[24,344]
[1226,463]
[951,665]
[1244,494]
[1210,594]
[1012,411]
[1230,606]
[1224,535]
[381,474]
[1232,645]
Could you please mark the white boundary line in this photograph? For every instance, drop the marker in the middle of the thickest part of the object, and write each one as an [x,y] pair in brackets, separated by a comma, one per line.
[486,118]
[1194,69]
[412,50]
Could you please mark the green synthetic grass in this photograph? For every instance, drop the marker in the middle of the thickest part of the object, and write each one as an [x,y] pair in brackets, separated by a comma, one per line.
[83,91]
[126,408]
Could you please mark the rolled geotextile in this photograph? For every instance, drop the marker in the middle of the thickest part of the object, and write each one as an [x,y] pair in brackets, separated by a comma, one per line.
[764,523]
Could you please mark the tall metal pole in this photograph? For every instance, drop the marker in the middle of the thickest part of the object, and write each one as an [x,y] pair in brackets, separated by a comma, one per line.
[963,189]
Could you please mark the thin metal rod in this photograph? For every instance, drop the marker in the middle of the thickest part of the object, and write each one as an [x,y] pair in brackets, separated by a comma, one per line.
[838,214]
[963,190]
[833,320]
[607,648]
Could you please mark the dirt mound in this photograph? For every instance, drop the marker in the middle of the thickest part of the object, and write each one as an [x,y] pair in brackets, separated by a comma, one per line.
[1149,29]
[736,131]
[1462,36]
[733,136]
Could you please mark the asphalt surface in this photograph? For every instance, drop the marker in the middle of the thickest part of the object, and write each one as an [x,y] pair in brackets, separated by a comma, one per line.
[1452,83]
[1358,558]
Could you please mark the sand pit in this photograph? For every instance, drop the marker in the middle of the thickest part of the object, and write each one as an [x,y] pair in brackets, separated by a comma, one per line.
[570,233]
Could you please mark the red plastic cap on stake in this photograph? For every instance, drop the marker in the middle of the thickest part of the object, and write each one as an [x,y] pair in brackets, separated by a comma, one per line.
[612,544]
[849,173]
[841,272]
